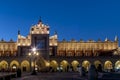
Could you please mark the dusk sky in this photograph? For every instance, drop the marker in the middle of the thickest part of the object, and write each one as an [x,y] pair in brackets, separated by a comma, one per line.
[78,19]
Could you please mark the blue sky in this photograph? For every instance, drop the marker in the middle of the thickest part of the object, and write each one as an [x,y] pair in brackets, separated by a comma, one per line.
[78,19]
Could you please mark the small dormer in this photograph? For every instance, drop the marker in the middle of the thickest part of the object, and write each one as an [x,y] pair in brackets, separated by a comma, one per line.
[73,40]
[2,40]
[11,40]
[64,40]
[90,40]
[99,40]
[81,40]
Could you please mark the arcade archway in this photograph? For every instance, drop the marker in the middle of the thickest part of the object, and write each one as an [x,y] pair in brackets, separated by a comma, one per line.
[108,65]
[25,66]
[117,65]
[64,65]
[14,65]
[75,64]
[3,65]
[40,63]
[54,65]
[96,63]
[86,64]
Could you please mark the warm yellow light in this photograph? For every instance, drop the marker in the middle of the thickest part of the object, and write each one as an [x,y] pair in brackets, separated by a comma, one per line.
[55,44]
[47,64]
[37,53]
[37,32]
[29,54]
[50,44]
[32,63]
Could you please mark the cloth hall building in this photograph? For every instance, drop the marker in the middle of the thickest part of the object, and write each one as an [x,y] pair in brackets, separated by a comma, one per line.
[41,50]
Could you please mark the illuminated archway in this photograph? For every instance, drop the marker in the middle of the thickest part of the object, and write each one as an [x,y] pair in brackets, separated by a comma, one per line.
[14,65]
[25,65]
[117,65]
[41,63]
[86,64]
[108,65]
[3,65]
[64,65]
[54,65]
[75,64]
[96,63]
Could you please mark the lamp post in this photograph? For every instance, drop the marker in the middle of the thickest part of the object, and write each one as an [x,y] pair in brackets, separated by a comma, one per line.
[33,54]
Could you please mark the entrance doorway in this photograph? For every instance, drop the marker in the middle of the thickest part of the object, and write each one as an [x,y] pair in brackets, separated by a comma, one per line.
[24,69]
[14,68]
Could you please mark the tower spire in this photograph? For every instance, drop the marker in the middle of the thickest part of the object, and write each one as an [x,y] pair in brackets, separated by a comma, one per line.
[40,21]
[116,38]
[106,39]
[18,32]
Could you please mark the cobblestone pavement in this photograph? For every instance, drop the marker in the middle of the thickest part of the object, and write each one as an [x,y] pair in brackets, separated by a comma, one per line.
[66,76]
[51,76]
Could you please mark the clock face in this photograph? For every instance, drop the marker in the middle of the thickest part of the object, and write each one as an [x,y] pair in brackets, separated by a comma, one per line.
[40,44]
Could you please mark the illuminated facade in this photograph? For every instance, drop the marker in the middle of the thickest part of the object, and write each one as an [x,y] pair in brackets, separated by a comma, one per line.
[8,48]
[15,54]
[89,48]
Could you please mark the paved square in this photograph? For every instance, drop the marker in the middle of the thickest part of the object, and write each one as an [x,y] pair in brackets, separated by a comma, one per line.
[51,76]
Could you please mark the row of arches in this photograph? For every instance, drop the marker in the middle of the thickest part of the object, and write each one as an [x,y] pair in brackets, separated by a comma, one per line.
[107,65]
[63,65]
[13,65]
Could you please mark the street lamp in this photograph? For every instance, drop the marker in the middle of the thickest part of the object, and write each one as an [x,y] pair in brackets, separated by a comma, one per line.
[33,54]
[34,49]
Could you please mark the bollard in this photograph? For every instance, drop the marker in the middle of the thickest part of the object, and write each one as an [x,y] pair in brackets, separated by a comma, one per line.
[92,73]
